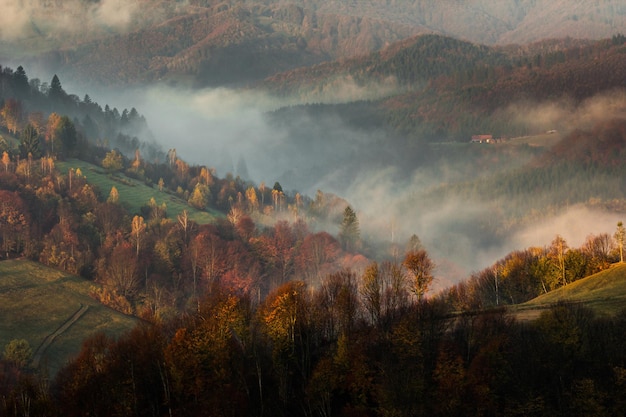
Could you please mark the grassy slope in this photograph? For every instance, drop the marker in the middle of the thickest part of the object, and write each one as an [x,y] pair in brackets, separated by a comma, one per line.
[36,300]
[135,194]
[604,292]
[11,140]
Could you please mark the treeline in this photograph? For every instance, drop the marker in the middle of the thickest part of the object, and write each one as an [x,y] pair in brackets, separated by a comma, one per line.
[525,274]
[32,108]
[307,352]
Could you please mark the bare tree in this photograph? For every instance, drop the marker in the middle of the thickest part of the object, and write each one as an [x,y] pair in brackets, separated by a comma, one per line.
[619,237]
[138,227]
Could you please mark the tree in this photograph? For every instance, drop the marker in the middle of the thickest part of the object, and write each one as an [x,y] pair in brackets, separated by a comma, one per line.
[419,264]
[338,302]
[52,136]
[395,294]
[200,196]
[6,161]
[317,255]
[556,254]
[349,234]
[597,250]
[283,317]
[39,123]
[20,81]
[112,161]
[208,256]
[251,197]
[11,112]
[29,142]
[66,132]
[277,196]
[14,221]
[114,196]
[121,272]
[620,233]
[414,243]
[277,248]
[56,92]
[19,352]
[138,226]
[372,292]
[183,221]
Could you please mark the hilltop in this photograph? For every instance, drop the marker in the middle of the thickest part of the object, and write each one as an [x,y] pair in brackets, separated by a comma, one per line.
[604,293]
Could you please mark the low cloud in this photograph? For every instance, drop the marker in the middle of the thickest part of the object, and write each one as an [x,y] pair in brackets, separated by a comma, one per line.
[574,224]
[565,115]
[118,14]
[382,179]
[20,19]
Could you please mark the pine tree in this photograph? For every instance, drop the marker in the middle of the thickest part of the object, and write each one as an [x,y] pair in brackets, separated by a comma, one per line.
[350,233]
[56,92]
[29,142]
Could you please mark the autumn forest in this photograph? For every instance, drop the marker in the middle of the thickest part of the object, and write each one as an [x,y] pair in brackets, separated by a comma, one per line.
[252,300]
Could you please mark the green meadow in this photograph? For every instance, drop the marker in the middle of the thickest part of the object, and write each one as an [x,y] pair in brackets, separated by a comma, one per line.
[604,293]
[35,301]
[133,193]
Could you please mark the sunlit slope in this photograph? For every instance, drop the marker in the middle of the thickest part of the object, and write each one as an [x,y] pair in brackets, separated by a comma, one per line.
[36,302]
[135,194]
[604,292]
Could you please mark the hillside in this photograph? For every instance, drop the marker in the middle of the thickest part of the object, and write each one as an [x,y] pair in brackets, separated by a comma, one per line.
[231,42]
[36,301]
[435,88]
[604,292]
[134,194]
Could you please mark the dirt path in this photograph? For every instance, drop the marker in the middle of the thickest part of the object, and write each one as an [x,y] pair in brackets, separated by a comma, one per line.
[50,338]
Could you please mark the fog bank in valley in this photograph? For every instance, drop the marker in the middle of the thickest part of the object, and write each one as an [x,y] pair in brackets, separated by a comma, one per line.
[379,174]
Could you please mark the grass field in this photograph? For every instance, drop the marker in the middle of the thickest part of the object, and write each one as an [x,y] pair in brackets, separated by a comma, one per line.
[544,140]
[135,194]
[604,293]
[35,301]
[10,140]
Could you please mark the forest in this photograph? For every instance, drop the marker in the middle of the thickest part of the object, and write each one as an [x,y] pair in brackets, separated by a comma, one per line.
[260,312]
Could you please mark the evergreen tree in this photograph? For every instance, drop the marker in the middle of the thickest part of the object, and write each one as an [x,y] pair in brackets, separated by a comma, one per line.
[20,81]
[67,135]
[29,142]
[350,233]
[56,92]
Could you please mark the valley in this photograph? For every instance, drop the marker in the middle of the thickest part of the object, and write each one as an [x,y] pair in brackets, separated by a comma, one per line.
[312,208]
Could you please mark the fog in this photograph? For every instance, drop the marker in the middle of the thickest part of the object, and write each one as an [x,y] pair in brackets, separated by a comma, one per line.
[53,20]
[565,115]
[380,176]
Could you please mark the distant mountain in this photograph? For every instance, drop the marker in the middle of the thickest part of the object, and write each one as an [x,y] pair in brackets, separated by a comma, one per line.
[233,42]
[435,88]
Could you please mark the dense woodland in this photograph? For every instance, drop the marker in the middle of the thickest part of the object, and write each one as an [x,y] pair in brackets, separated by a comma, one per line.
[260,313]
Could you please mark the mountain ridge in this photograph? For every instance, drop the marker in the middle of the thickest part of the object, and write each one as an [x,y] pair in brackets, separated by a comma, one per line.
[216,43]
